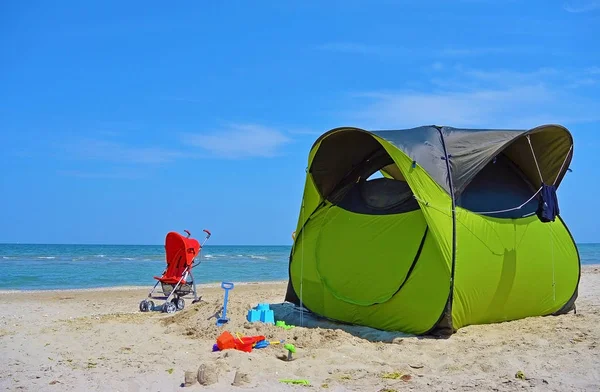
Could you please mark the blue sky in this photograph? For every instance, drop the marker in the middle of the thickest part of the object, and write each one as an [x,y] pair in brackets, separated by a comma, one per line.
[113,115]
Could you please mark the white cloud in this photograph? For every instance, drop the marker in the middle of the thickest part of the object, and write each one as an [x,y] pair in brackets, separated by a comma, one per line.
[103,150]
[583,82]
[240,141]
[363,49]
[233,141]
[480,98]
[593,70]
[469,109]
[581,6]
[508,76]
[462,52]
[301,131]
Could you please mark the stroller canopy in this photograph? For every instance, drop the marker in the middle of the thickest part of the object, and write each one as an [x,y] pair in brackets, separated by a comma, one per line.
[180,252]
[430,229]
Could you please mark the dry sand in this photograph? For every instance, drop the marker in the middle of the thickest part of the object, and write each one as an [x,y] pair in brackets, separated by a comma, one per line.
[97,340]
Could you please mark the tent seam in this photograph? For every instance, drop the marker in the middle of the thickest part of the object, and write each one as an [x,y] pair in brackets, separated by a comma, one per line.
[448,307]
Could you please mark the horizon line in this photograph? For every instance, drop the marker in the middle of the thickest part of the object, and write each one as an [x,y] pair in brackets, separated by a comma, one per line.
[102,244]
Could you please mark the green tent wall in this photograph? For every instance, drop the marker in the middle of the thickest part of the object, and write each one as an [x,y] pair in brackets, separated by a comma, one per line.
[436,243]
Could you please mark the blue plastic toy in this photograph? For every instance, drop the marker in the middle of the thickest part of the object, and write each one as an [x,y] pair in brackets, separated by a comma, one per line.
[223,318]
[262,344]
[266,343]
[262,313]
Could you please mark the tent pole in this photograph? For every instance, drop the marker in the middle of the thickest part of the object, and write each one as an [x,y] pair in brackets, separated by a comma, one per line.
[563,165]
[446,317]
[535,159]
[302,271]
[553,268]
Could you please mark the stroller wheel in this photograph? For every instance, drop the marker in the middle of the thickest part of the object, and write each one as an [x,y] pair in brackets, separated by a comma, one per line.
[144,306]
[179,303]
[169,307]
[150,305]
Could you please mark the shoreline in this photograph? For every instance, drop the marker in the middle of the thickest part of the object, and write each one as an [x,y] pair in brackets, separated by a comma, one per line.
[135,288]
[584,268]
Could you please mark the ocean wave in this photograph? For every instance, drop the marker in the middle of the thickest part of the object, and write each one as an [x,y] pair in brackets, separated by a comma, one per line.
[93,259]
[215,256]
[234,257]
[46,257]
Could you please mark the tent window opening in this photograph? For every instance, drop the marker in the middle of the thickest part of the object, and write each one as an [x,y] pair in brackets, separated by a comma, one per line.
[500,186]
[345,169]
[522,179]
[375,176]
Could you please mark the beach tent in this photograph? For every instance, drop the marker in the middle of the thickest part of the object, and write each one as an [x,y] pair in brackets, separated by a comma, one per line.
[460,227]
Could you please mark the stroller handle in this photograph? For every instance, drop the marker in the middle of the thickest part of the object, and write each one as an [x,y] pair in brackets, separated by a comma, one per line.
[208,234]
[202,245]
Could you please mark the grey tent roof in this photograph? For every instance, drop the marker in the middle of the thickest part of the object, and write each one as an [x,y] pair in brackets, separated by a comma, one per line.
[469,150]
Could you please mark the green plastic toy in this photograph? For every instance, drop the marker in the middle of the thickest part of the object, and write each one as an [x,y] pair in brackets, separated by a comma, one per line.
[290,349]
[283,325]
[297,382]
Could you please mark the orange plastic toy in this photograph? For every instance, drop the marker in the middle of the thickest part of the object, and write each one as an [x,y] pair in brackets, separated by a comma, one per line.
[245,343]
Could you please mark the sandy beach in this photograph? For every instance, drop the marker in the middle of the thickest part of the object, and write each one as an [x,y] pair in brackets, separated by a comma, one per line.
[97,340]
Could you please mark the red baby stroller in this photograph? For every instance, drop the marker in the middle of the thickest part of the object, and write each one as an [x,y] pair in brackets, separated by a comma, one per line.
[177,280]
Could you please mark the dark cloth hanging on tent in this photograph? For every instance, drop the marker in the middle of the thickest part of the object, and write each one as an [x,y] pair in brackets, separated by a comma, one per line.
[548,204]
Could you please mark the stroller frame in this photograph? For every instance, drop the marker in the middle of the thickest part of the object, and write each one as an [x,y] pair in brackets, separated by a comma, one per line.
[175,292]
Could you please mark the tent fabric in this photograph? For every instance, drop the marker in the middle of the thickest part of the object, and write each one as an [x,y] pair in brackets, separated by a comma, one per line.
[471,149]
[448,236]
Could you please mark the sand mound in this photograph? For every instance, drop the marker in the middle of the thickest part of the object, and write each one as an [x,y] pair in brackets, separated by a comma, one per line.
[198,321]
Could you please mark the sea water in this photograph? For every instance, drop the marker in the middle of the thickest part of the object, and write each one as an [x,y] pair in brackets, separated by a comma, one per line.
[43,267]
[35,267]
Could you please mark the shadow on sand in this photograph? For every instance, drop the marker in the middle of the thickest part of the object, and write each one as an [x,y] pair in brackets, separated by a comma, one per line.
[294,315]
